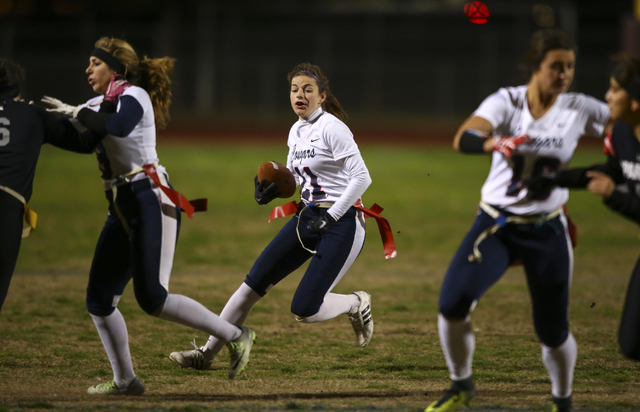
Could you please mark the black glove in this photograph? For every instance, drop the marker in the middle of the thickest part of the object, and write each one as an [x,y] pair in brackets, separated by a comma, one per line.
[540,186]
[321,224]
[263,194]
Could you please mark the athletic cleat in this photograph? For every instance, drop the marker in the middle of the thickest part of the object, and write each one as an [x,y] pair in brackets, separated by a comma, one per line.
[195,358]
[239,350]
[135,388]
[561,404]
[454,397]
[361,320]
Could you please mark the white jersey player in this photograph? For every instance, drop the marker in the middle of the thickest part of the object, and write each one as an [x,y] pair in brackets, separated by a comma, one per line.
[139,236]
[326,228]
[531,130]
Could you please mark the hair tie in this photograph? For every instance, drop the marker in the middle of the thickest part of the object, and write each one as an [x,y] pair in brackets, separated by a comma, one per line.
[110,60]
[314,76]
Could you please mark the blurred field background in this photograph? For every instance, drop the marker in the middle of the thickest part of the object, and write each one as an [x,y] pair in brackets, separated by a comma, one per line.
[407,72]
[51,352]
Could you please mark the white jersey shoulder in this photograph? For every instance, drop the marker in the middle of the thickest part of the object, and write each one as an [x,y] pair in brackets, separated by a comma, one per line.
[555,136]
[126,153]
[317,150]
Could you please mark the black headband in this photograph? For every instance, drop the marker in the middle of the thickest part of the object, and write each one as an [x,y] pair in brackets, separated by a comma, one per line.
[12,90]
[632,86]
[108,58]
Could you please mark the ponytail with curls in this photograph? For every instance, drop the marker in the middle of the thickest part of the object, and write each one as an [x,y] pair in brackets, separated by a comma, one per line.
[150,74]
[154,78]
[331,103]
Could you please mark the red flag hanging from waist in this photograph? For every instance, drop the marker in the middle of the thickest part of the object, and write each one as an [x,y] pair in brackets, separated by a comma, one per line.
[178,199]
[374,212]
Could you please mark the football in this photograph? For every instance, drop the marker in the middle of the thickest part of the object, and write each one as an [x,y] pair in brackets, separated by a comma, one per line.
[275,172]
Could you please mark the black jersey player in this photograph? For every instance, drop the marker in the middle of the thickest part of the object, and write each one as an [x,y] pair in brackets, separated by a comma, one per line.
[618,180]
[24,128]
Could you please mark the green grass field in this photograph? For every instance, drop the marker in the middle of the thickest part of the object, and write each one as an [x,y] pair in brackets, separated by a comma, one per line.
[50,352]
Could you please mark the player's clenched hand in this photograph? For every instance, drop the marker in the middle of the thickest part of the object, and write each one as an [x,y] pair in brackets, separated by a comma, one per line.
[61,108]
[507,144]
[321,224]
[116,87]
[540,186]
[264,195]
[600,184]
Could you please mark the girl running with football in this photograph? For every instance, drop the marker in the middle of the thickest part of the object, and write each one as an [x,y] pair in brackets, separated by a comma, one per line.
[139,237]
[326,228]
[529,130]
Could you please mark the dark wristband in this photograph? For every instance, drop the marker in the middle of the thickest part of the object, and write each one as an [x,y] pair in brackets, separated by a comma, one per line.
[471,143]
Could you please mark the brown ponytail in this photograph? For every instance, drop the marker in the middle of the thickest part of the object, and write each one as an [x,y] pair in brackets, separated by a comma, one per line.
[150,74]
[331,103]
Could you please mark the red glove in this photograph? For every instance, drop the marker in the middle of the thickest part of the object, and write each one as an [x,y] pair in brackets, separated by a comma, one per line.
[507,144]
[117,86]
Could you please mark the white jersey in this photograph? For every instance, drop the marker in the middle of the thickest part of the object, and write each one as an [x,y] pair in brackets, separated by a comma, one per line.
[317,150]
[556,136]
[139,147]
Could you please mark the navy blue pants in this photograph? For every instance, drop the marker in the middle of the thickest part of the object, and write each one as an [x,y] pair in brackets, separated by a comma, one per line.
[629,332]
[138,241]
[547,256]
[337,250]
[11,218]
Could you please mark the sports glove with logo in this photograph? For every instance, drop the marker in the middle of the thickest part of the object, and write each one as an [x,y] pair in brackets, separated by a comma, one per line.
[264,195]
[321,224]
[507,144]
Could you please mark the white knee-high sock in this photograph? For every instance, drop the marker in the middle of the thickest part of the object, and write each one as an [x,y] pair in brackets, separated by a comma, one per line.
[560,363]
[334,305]
[458,344]
[188,312]
[115,339]
[236,312]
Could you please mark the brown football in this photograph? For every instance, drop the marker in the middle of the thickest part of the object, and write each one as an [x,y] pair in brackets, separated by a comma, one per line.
[277,173]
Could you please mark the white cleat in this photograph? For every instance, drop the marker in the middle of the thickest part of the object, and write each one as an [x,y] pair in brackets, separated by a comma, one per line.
[195,358]
[135,388]
[361,319]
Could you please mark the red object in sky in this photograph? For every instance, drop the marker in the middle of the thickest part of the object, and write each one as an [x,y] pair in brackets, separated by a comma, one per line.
[477,12]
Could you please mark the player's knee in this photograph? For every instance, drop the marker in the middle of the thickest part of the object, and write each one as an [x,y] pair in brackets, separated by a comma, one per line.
[630,349]
[453,310]
[99,308]
[151,304]
[99,304]
[304,310]
[553,338]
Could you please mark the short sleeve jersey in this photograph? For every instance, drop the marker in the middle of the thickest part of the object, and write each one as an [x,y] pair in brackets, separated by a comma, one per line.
[556,135]
[317,150]
[139,147]
[627,152]
[23,130]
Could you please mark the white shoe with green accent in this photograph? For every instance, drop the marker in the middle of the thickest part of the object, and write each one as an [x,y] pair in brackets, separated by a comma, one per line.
[239,351]
[135,388]
[455,397]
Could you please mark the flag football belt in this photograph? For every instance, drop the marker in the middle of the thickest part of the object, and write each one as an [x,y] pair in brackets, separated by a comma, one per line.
[502,220]
[30,217]
[374,212]
[178,199]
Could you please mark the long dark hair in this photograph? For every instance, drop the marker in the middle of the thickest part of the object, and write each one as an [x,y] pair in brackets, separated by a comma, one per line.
[10,77]
[331,103]
[541,43]
[627,69]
